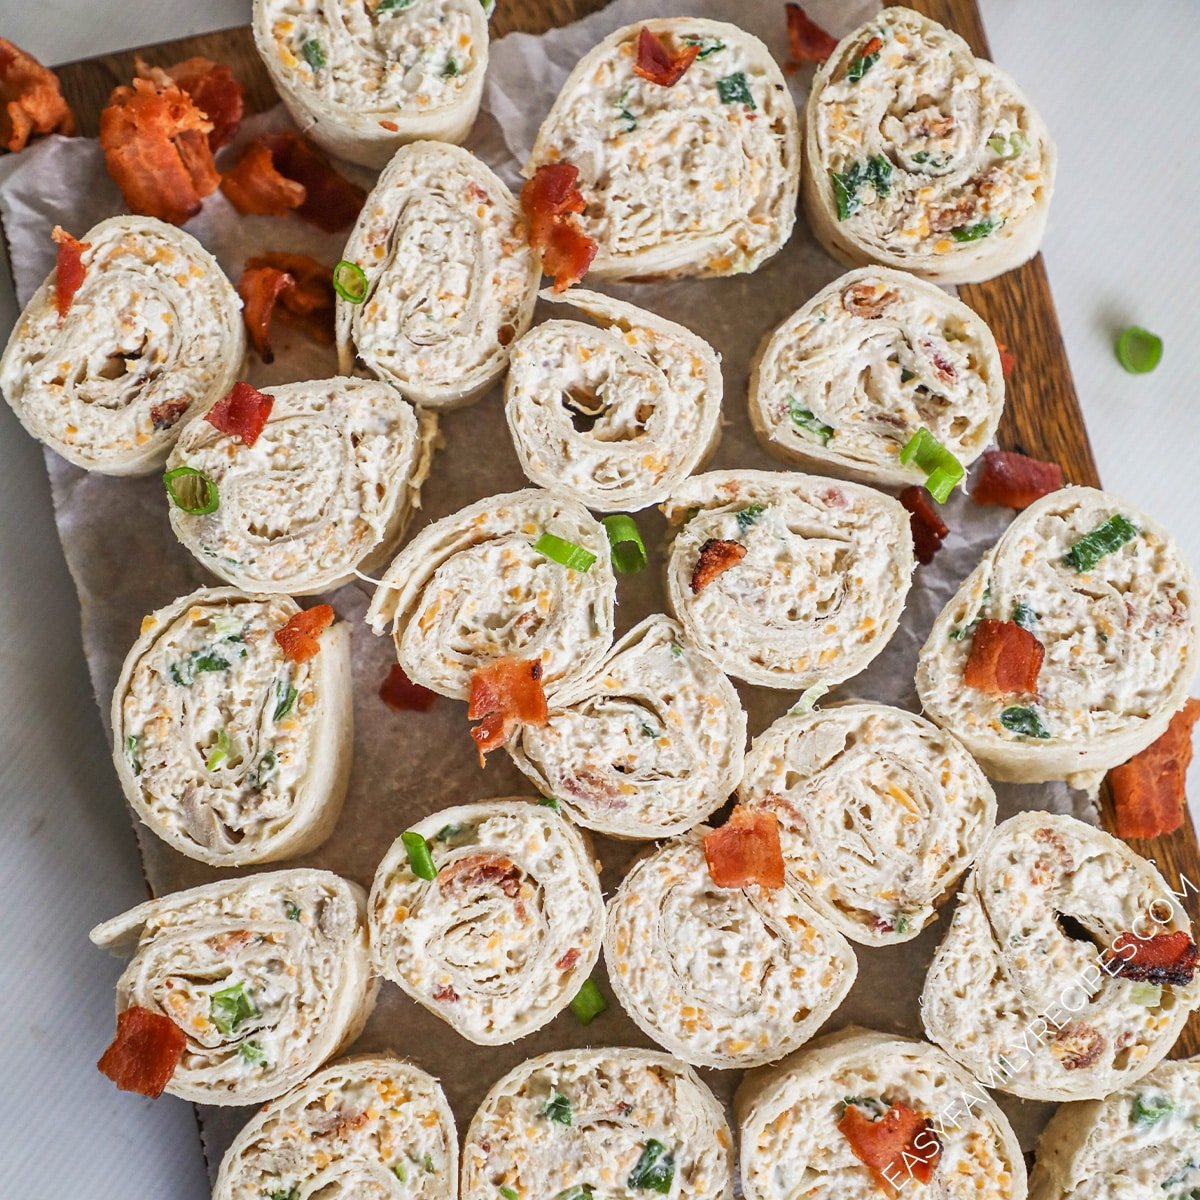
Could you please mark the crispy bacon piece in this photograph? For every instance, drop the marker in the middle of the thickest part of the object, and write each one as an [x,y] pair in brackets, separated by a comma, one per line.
[399,692]
[155,143]
[446,994]
[31,101]
[294,287]
[1005,657]
[145,1052]
[899,1146]
[1148,790]
[242,413]
[717,555]
[299,637]
[1077,1045]
[164,416]
[550,202]
[863,300]
[253,185]
[1015,480]
[1007,359]
[213,89]
[568,960]
[480,870]
[1161,958]
[69,269]
[504,694]
[660,65]
[745,850]
[808,42]
[260,289]
[928,528]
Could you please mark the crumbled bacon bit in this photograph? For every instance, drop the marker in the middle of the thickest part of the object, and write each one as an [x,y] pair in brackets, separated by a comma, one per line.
[504,694]
[241,413]
[446,994]
[260,289]
[928,528]
[1148,790]
[299,637]
[69,269]
[568,960]
[872,47]
[1007,360]
[294,287]
[550,202]
[808,42]
[399,692]
[1005,657]
[165,416]
[476,871]
[253,185]
[942,366]
[866,300]
[1077,1045]
[145,1052]
[660,65]
[1162,958]
[899,1145]
[31,101]
[1015,480]
[717,555]
[213,89]
[745,850]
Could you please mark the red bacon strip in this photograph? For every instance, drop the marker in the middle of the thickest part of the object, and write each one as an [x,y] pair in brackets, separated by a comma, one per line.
[1005,657]
[808,42]
[1007,360]
[504,694]
[294,287]
[400,693]
[899,1146]
[928,528]
[1148,790]
[299,637]
[213,89]
[717,555]
[1164,958]
[745,850]
[253,185]
[660,65]
[145,1052]
[550,202]
[69,270]
[478,871]
[260,289]
[31,101]
[242,413]
[1014,480]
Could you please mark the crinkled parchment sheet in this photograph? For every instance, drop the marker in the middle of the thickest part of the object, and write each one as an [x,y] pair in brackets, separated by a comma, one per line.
[126,562]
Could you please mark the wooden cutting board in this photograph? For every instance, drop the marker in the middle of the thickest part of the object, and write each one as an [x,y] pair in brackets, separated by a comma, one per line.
[1041,417]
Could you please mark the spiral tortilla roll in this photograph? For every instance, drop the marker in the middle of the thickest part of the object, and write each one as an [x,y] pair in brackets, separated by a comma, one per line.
[880,812]
[362,80]
[368,1126]
[450,281]
[1140,1141]
[471,588]
[699,178]
[227,750]
[597,1119]
[847,380]
[1121,640]
[328,487]
[813,574]
[1024,991]
[922,157]
[615,415]
[788,1117]
[268,976]
[721,977]
[153,335]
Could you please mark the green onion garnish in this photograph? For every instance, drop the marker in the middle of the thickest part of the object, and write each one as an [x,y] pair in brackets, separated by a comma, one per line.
[132,750]
[447,832]
[1149,1110]
[942,469]
[1148,994]
[292,910]
[267,769]
[350,281]
[803,418]
[567,554]
[393,5]
[227,626]
[509,1193]
[450,69]
[589,1003]
[252,1052]
[1008,147]
[1104,539]
[735,89]
[557,1109]
[419,857]
[548,802]
[185,671]
[676,650]
[285,700]
[860,66]
[628,549]
[1138,350]
[706,48]
[877,171]
[581,1191]
[972,233]
[231,1006]
[400,1171]
[1023,721]
[191,491]
[655,1169]
[809,698]
[1024,616]
[220,751]
[901,924]
[748,515]
[314,53]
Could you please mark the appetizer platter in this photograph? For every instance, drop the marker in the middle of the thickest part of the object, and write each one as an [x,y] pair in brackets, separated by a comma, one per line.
[625,682]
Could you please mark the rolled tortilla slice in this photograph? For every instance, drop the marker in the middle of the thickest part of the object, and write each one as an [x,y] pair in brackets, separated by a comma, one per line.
[920,156]
[505,936]
[268,976]
[226,749]
[721,977]
[699,178]
[647,745]
[450,281]
[1121,639]
[844,383]
[787,580]
[472,588]
[367,1126]
[153,335]
[1024,990]
[614,1118]
[880,812]
[615,414]
[328,487]
[1140,1141]
[788,1118]
[363,80]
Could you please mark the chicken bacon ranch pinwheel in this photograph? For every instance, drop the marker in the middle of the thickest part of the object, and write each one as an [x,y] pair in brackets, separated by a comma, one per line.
[615,414]
[1140,1142]
[687,147]
[858,1115]
[645,746]
[614,1121]
[787,580]
[489,915]
[368,1126]
[1071,645]
[363,78]
[918,155]
[136,330]
[248,985]
[846,382]
[721,977]
[1068,970]
[437,279]
[294,488]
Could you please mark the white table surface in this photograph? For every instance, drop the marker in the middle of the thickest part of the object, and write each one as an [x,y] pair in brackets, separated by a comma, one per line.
[1116,84]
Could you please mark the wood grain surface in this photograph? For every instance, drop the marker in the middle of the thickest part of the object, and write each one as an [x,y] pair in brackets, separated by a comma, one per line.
[1042,416]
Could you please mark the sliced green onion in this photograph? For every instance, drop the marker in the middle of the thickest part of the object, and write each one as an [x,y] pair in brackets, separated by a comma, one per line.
[548,802]
[648,731]
[314,53]
[509,1193]
[565,553]
[252,1052]
[972,233]
[809,698]
[229,1007]
[654,1170]
[581,1191]
[1008,147]
[901,924]
[393,5]
[350,281]
[400,1171]
[1138,350]
[285,700]
[450,69]
[589,1003]
[860,66]
[427,1163]
[227,627]
[1024,616]
[706,47]
[748,515]
[220,751]
[735,89]
[447,832]
[1103,540]
[877,171]
[1148,994]
[292,910]
[804,418]
[676,650]
[132,749]
[1023,721]
[185,671]
[1149,1110]
[283,1194]
[419,857]
[628,549]
[267,769]
[191,491]
[557,1109]
[942,469]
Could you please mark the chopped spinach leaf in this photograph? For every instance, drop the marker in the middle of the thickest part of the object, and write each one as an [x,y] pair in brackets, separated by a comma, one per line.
[267,769]
[1149,1110]
[877,171]
[185,671]
[252,1052]
[1024,616]
[133,748]
[557,1109]
[804,418]
[1024,722]
[748,515]
[229,1007]
[655,1169]
[285,699]
[314,53]
[861,65]
[706,47]
[973,233]
[735,89]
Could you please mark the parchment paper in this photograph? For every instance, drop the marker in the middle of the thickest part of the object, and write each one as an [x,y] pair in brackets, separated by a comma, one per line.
[125,561]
